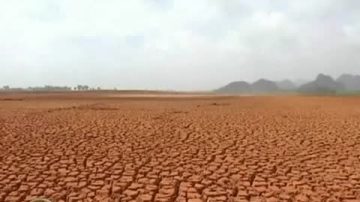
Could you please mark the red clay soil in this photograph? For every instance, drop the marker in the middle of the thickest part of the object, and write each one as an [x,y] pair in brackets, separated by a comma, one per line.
[179,149]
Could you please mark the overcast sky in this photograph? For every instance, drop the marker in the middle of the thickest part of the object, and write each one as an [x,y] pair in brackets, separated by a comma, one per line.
[175,44]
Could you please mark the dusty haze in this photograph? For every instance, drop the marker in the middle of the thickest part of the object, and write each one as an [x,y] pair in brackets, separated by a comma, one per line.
[175,44]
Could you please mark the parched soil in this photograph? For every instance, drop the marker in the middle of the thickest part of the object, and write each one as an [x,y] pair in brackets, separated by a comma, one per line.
[185,149]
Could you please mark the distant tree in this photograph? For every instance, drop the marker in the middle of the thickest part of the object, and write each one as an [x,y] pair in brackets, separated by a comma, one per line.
[50,88]
[82,87]
[6,87]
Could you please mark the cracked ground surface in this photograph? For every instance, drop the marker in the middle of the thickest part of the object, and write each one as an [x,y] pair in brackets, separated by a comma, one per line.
[103,148]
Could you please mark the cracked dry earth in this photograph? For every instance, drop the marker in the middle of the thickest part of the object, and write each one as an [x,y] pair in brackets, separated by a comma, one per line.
[180,149]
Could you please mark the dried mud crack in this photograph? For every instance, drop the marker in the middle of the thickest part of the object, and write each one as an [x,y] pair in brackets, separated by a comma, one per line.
[180,149]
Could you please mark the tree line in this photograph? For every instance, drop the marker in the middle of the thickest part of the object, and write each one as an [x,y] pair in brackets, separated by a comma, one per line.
[51,88]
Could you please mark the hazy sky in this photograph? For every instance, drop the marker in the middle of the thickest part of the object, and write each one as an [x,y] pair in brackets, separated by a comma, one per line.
[175,44]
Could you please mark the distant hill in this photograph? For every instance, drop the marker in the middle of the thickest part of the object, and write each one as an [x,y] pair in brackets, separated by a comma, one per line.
[242,87]
[286,85]
[322,84]
[300,82]
[235,87]
[351,82]
[264,86]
